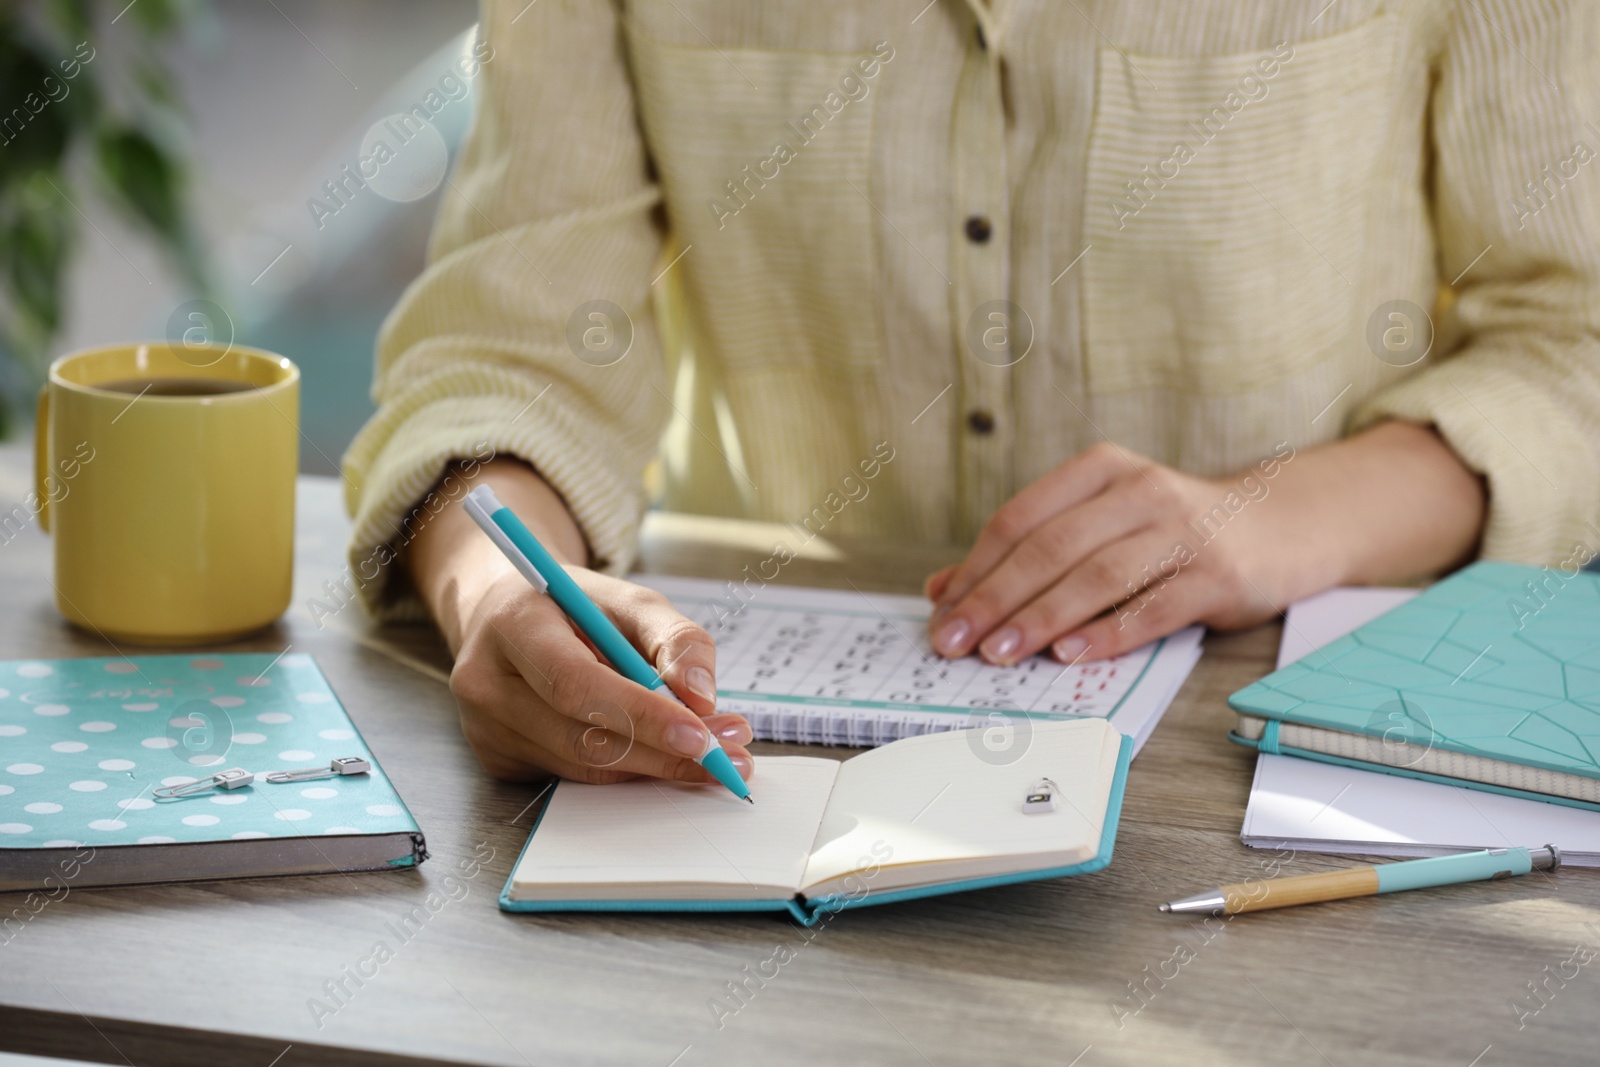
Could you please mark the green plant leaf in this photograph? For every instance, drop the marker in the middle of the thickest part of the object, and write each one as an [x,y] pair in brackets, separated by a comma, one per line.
[33,128]
[82,106]
[147,184]
[43,114]
[143,178]
[158,17]
[73,17]
[156,84]
[37,234]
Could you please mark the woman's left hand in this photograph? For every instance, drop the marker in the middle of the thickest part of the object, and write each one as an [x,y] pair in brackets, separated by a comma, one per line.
[1111,550]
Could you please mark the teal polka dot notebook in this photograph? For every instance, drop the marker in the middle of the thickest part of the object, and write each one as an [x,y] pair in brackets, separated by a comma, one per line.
[1489,679]
[90,748]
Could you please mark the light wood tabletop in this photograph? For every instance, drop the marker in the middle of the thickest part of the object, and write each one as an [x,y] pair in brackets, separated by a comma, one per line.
[1081,971]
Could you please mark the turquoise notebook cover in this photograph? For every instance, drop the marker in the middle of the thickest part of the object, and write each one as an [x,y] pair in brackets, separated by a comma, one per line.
[809,912]
[1499,660]
[84,742]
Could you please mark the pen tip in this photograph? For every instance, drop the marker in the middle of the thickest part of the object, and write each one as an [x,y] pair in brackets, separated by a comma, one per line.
[748,799]
[1164,907]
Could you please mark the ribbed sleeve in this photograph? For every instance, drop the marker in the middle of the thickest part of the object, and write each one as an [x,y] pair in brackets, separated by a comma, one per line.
[1517,208]
[550,209]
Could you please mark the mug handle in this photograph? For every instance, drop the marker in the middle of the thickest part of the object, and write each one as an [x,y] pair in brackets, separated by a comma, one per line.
[41,457]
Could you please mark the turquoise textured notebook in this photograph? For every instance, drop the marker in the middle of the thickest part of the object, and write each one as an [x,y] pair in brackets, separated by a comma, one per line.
[1490,679]
[925,816]
[85,743]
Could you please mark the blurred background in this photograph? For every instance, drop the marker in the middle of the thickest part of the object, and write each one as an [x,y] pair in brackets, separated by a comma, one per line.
[174,168]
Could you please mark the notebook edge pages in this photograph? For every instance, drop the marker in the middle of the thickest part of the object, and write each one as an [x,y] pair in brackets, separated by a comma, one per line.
[215,861]
[1463,767]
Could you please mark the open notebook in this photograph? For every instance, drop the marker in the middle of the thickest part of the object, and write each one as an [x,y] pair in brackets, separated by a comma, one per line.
[926,815]
[833,667]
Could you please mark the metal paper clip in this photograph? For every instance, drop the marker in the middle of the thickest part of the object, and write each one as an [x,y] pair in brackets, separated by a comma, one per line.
[229,779]
[342,765]
[1040,797]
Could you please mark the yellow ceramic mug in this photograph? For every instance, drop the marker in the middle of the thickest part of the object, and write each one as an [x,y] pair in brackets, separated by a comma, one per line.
[165,474]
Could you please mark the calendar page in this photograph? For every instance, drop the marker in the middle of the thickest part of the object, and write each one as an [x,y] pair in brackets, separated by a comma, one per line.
[832,667]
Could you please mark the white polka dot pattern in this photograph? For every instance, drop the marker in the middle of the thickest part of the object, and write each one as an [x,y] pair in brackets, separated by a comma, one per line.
[86,742]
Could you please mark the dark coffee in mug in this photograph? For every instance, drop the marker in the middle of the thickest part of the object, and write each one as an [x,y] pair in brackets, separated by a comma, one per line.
[176,386]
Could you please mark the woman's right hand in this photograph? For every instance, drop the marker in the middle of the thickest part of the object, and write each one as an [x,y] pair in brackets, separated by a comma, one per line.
[534,696]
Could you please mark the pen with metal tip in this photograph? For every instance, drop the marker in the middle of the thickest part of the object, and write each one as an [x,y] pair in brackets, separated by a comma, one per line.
[1366,881]
[547,576]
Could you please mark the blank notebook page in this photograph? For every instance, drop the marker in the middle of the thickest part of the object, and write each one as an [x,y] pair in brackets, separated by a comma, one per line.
[648,839]
[936,799]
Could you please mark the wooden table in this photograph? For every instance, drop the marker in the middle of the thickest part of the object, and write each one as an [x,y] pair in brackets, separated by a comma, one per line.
[1041,973]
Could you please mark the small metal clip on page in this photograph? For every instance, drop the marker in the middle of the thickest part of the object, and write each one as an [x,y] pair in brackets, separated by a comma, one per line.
[342,765]
[1040,798]
[229,779]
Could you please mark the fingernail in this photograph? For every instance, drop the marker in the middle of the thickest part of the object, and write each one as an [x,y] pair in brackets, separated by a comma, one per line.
[951,640]
[744,764]
[1002,644]
[737,732]
[1070,648]
[700,684]
[686,740]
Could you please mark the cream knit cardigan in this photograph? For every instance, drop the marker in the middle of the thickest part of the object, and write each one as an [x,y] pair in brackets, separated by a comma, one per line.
[774,243]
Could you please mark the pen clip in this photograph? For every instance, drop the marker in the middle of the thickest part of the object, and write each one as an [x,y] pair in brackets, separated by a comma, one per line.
[1040,797]
[229,779]
[342,766]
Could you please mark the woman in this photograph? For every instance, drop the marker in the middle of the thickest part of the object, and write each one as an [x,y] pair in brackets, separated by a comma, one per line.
[1174,312]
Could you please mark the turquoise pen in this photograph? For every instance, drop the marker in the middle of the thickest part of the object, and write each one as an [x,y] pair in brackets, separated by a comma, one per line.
[1365,881]
[547,576]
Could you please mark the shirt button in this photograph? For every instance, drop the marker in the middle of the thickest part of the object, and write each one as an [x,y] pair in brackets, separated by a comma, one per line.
[980,422]
[978,229]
